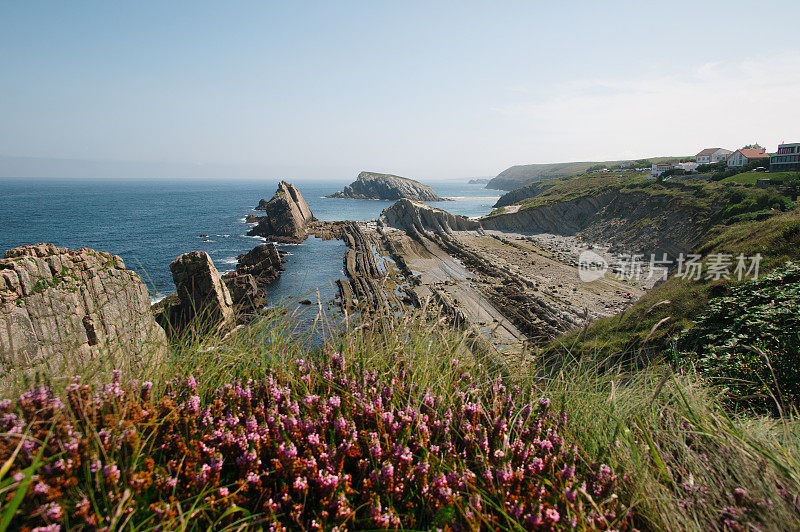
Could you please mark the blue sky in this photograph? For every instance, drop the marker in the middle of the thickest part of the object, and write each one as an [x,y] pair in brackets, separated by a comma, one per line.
[425,89]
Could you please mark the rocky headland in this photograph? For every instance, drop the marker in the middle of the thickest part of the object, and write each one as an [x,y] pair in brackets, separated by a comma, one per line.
[286,216]
[73,309]
[371,185]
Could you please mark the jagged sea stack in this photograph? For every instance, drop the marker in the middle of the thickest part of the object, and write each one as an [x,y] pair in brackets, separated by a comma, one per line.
[371,185]
[286,216]
[74,309]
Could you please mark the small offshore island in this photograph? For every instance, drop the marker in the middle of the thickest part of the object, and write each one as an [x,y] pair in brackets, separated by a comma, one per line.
[375,186]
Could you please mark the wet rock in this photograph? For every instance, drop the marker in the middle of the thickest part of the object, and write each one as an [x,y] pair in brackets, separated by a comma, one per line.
[371,185]
[253,218]
[287,215]
[74,307]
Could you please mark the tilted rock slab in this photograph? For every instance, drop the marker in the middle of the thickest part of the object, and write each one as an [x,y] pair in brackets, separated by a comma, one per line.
[287,215]
[202,293]
[371,185]
[79,307]
[414,216]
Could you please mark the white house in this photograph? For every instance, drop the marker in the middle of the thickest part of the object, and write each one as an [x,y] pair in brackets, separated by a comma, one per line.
[742,156]
[660,168]
[786,159]
[712,155]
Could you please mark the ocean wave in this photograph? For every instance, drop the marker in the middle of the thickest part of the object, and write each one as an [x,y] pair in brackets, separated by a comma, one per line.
[230,260]
[223,236]
[156,298]
[261,238]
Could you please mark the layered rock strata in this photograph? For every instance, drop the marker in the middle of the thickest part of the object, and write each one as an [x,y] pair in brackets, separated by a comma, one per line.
[74,308]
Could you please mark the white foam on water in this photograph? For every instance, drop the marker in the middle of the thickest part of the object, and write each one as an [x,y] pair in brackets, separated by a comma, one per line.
[156,298]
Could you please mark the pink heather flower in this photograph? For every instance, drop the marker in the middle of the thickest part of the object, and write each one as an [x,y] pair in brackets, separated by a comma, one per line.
[49,528]
[41,488]
[552,515]
[19,477]
[51,510]
[223,492]
[544,402]
[334,401]
[83,505]
[193,404]
[300,483]
[111,473]
[499,454]
[313,439]
[252,477]
[191,383]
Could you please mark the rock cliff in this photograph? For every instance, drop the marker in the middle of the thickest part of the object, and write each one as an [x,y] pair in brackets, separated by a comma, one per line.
[287,215]
[631,221]
[74,308]
[371,185]
[414,216]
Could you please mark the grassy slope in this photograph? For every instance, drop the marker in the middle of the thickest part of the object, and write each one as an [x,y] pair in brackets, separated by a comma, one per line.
[520,175]
[750,178]
[680,458]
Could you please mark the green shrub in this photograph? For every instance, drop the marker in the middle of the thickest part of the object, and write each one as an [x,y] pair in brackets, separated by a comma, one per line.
[750,338]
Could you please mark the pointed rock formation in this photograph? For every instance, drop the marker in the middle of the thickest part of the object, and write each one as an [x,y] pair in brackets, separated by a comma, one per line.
[70,308]
[287,215]
[371,185]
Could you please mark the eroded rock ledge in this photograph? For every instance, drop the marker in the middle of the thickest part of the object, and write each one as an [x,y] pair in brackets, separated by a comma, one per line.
[371,185]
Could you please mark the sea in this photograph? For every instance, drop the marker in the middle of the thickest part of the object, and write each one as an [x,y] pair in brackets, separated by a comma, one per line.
[150,222]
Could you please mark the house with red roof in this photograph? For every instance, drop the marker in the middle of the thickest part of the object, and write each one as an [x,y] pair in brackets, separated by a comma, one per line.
[743,156]
[712,155]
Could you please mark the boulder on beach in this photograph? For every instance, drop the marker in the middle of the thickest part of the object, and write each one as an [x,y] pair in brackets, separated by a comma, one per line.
[287,215]
[69,309]
[371,185]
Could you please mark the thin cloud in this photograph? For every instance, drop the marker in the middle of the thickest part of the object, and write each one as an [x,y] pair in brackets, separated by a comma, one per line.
[721,103]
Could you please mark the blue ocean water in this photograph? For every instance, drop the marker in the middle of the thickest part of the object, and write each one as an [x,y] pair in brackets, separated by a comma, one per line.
[149,222]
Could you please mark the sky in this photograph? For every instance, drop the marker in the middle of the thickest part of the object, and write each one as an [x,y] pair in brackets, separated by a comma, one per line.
[430,90]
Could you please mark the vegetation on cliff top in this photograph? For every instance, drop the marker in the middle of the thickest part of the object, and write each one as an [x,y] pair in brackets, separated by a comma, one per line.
[394,424]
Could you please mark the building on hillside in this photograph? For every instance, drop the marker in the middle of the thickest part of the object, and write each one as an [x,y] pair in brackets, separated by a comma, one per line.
[660,168]
[712,155]
[787,159]
[743,156]
[688,167]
